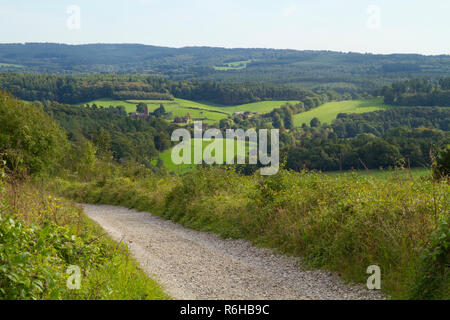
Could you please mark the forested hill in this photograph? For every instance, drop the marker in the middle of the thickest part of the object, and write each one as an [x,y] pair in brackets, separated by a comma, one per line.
[417,92]
[309,69]
[77,89]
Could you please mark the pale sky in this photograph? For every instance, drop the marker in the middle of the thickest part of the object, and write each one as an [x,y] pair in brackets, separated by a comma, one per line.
[377,26]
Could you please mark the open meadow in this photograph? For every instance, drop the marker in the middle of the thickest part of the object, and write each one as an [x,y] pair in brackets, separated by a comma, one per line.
[328,111]
[166,156]
[211,113]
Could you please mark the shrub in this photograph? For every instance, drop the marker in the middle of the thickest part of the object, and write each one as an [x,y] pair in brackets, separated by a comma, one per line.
[441,167]
[31,142]
[433,279]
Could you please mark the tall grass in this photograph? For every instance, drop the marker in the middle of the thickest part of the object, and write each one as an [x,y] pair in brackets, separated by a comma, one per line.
[343,223]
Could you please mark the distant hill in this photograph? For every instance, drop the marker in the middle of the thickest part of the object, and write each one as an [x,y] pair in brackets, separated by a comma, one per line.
[308,69]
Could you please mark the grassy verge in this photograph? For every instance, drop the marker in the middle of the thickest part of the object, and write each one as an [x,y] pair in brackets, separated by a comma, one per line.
[42,235]
[343,223]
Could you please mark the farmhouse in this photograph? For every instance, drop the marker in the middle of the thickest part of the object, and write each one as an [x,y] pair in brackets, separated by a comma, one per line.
[243,114]
[185,119]
[141,115]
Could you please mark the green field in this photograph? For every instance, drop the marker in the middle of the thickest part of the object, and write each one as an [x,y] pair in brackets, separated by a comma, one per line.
[166,156]
[260,107]
[236,65]
[106,102]
[180,108]
[328,112]
[7,65]
[210,113]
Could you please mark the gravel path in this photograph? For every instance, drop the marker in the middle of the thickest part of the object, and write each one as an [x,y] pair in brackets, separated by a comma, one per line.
[200,265]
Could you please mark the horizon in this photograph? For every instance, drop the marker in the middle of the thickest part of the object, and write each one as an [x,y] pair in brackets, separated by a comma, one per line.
[375,26]
[221,47]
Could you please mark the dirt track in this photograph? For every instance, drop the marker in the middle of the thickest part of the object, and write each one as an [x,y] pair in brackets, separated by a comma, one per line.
[199,265]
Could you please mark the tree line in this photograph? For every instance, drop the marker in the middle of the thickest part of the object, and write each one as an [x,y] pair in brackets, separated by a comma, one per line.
[343,72]
[379,122]
[73,89]
[113,133]
[417,92]
[322,150]
[387,138]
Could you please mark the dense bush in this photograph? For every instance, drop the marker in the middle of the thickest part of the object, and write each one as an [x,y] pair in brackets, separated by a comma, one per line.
[433,278]
[441,167]
[30,140]
[33,258]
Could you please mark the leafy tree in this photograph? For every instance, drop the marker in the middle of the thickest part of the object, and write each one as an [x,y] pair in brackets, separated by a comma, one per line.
[160,112]
[162,141]
[277,121]
[29,139]
[441,167]
[225,124]
[103,144]
[288,120]
[315,122]
[142,107]
[82,158]
[379,153]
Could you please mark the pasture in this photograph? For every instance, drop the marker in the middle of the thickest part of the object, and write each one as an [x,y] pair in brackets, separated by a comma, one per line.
[166,156]
[209,113]
[212,113]
[106,102]
[329,111]
[236,65]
